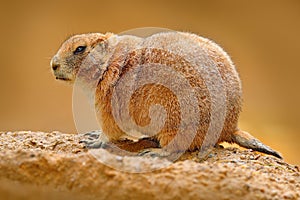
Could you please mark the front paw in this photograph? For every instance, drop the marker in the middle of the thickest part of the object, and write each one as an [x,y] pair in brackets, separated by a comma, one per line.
[94,140]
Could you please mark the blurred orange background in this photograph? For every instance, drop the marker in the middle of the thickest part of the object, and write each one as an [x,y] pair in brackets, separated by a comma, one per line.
[262,37]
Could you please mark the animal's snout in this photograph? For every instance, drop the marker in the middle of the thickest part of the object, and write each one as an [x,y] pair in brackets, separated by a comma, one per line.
[54,64]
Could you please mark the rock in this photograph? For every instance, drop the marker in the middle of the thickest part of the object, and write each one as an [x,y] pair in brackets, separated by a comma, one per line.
[37,165]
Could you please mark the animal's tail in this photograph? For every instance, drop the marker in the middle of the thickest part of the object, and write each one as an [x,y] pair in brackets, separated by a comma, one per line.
[246,140]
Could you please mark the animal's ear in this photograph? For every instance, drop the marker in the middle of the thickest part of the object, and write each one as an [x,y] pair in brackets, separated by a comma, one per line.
[98,38]
[108,35]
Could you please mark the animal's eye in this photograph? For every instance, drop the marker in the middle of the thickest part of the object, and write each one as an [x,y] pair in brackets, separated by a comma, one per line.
[79,49]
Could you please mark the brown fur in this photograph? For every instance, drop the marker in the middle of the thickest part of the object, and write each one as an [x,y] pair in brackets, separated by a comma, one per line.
[122,54]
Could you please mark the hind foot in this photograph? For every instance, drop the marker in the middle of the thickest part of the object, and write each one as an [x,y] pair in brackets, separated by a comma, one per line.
[96,140]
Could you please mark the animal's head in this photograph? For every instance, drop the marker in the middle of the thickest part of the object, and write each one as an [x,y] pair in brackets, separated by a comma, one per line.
[67,61]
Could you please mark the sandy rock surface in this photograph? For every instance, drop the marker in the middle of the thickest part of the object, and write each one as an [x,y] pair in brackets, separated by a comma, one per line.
[37,165]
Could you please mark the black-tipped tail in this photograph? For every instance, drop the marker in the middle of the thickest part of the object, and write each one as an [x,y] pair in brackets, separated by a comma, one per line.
[245,139]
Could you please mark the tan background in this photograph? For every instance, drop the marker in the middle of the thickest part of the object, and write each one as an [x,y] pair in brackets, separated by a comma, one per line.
[261,36]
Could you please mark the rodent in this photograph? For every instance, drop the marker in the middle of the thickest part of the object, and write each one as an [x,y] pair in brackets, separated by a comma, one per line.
[178,50]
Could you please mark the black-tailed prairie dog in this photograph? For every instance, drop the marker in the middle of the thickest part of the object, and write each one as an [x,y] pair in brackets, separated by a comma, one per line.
[179,89]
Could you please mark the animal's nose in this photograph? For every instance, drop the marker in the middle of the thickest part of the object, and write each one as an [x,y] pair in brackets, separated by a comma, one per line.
[54,63]
[55,66]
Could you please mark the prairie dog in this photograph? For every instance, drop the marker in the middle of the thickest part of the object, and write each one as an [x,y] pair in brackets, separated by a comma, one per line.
[191,78]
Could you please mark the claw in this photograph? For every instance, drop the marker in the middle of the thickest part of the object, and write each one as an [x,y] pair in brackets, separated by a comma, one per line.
[93,140]
[144,152]
[93,134]
[154,152]
[93,144]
